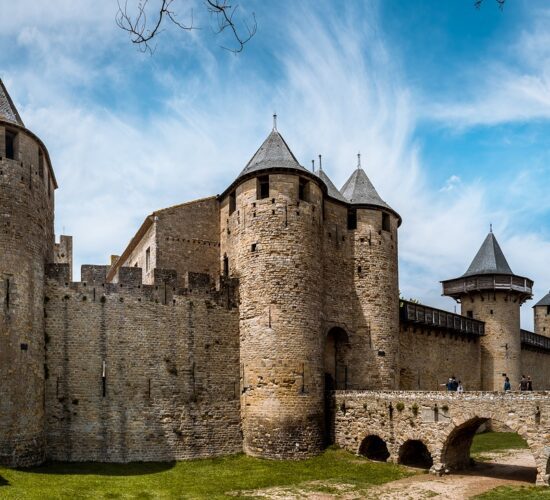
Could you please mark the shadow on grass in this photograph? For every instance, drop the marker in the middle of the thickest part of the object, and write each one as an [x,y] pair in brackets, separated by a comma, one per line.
[4,482]
[100,468]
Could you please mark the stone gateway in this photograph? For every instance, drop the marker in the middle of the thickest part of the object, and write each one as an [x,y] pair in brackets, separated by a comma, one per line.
[250,321]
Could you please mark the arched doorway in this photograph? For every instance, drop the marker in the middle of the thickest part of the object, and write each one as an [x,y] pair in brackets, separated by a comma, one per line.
[374,448]
[336,359]
[335,363]
[414,453]
[503,454]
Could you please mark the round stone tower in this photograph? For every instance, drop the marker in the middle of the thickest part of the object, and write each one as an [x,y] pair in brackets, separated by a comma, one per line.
[489,291]
[541,311]
[374,224]
[270,240]
[27,185]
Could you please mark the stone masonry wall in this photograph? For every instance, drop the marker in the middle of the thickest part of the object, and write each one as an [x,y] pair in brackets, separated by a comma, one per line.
[26,244]
[188,238]
[274,247]
[171,365]
[444,422]
[138,256]
[536,364]
[500,346]
[542,320]
[428,357]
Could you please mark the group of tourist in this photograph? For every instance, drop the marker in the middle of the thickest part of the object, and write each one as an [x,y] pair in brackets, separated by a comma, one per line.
[454,385]
[525,384]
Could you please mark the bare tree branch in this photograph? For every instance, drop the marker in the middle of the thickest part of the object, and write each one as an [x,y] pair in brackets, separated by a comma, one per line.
[142,32]
[224,16]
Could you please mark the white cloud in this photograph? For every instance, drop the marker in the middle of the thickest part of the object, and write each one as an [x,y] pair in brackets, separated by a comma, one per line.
[339,90]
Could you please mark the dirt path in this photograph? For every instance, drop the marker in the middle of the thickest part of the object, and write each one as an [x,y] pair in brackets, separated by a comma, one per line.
[514,467]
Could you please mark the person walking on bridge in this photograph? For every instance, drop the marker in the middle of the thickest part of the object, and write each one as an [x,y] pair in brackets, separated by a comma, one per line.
[523,383]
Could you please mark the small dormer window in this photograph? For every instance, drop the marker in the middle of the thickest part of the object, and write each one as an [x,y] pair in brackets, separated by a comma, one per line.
[262,189]
[386,222]
[352,219]
[232,202]
[10,144]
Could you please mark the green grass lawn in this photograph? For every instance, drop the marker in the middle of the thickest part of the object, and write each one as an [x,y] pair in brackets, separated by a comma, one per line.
[209,478]
[520,493]
[496,441]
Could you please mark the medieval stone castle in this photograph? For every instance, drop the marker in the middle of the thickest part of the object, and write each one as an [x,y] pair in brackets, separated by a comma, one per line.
[227,322]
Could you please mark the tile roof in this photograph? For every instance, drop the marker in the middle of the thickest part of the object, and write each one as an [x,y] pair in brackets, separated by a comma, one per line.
[331,188]
[274,153]
[358,190]
[489,259]
[545,301]
[8,111]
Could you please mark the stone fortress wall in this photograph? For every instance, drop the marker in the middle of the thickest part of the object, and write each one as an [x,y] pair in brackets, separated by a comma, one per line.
[140,372]
[227,322]
[26,244]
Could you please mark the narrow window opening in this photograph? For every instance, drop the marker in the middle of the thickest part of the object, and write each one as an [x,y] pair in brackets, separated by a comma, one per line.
[147,259]
[7,294]
[232,202]
[470,314]
[10,144]
[103,380]
[352,219]
[547,310]
[303,190]
[491,311]
[253,247]
[40,163]
[225,265]
[385,221]
[262,190]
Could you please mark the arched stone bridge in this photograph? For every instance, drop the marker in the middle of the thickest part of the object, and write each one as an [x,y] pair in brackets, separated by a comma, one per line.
[436,428]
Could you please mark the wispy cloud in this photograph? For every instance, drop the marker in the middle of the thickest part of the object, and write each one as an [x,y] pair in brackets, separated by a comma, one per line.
[129,133]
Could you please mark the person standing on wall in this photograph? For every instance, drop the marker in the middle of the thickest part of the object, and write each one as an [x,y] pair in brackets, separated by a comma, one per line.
[523,383]
[507,385]
[529,383]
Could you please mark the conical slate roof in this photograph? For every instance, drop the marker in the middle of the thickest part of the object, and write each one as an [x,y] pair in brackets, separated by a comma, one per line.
[545,301]
[489,259]
[8,111]
[273,153]
[358,190]
[331,188]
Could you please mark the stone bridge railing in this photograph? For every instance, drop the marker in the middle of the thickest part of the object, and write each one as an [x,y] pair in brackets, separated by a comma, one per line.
[437,428]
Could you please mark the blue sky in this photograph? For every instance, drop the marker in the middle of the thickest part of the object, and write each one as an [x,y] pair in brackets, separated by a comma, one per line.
[449,106]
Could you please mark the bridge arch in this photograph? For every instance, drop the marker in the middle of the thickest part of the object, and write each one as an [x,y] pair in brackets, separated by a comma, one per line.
[415,453]
[455,453]
[374,448]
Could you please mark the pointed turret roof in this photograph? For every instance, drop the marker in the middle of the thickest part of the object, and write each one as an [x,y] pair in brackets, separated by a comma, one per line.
[8,111]
[331,188]
[273,153]
[489,259]
[545,301]
[358,190]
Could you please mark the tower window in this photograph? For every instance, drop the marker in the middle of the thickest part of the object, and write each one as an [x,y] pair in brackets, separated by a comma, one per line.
[232,202]
[262,189]
[547,310]
[352,218]
[385,222]
[10,144]
[303,190]
[470,314]
[225,265]
[147,259]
